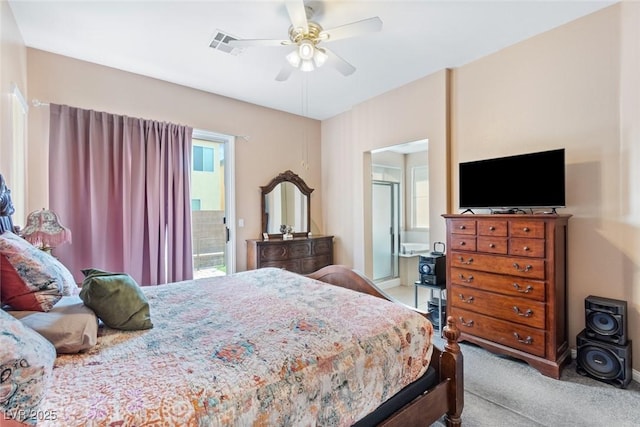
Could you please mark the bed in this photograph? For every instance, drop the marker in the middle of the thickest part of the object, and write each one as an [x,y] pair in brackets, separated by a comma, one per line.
[265,348]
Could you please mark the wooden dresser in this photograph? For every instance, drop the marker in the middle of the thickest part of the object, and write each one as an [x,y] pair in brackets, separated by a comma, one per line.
[506,285]
[301,255]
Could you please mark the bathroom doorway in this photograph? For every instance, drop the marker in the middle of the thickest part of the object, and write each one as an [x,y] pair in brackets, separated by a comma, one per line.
[399,211]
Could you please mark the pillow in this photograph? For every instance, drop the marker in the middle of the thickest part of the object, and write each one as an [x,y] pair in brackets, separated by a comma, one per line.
[31,279]
[26,363]
[116,299]
[70,325]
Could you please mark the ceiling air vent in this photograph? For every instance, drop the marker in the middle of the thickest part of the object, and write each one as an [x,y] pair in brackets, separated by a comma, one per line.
[221,42]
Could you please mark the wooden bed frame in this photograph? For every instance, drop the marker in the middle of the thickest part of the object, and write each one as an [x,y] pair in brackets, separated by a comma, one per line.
[447,397]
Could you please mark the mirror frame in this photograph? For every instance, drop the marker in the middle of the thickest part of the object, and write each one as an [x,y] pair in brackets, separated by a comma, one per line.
[287,176]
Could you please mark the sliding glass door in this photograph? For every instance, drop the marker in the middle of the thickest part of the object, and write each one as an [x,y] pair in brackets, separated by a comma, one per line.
[211,213]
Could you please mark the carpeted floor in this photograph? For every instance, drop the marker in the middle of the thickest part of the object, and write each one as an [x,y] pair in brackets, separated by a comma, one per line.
[505,392]
[502,391]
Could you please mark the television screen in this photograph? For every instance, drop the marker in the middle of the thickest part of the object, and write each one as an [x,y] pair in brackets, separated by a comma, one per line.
[533,180]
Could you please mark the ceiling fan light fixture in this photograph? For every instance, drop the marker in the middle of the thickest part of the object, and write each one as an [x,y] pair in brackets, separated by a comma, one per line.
[307,65]
[320,57]
[294,59]
[306,49]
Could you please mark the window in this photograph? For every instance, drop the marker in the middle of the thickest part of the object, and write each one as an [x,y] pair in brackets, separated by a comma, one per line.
[202,158]
[420,196]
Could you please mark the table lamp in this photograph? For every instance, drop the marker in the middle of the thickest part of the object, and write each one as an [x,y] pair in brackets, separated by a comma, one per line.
[44,230]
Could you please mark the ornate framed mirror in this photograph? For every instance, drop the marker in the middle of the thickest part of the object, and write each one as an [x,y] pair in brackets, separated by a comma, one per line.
[286,201]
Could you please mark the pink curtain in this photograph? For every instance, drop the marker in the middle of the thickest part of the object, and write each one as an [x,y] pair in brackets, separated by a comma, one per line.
[122,185]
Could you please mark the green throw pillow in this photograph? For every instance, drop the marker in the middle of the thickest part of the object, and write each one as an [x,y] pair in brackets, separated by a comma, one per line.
[116,299]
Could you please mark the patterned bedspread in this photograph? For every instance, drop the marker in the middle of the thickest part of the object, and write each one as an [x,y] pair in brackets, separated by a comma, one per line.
[259,348]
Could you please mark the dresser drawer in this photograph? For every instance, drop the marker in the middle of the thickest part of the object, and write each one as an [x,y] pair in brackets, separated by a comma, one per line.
[283,251]
[513,309]
[494,245]
[522,267]
[496,228]
[300,249]
[506,285]
[463,243]
[527,247]
[509,334]
[290,265]
[524,228]
[273,252]
[463,226]
[309,265]
[323,246]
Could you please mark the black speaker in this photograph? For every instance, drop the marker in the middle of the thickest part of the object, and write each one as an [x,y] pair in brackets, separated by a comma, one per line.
[604,361]
[605,319]
[432,309]
[432,269]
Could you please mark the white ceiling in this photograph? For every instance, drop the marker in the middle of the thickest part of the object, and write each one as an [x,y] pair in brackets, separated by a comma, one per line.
[169,40]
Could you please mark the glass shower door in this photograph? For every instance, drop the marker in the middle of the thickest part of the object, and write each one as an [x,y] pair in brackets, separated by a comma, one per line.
[386,228]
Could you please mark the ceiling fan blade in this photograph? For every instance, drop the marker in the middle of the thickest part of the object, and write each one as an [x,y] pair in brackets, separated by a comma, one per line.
[259,42]
[297,14]
[338,63]
[369,25]
[284,73]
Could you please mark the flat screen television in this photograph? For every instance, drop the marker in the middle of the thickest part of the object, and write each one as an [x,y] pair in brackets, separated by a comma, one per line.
[524,181]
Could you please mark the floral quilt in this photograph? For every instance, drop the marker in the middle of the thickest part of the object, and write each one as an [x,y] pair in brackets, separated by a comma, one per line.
[258,348]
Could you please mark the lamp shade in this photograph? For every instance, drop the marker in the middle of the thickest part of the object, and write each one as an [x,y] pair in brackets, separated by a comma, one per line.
[44,230]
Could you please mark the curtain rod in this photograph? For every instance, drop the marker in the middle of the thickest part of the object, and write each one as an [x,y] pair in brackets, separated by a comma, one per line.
[38,103]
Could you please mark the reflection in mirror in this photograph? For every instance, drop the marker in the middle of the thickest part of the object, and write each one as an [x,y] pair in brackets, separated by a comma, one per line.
[286,202]
[286,205]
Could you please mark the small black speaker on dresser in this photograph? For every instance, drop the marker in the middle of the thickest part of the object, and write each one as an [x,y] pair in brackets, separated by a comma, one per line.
[605,319]
[604,361]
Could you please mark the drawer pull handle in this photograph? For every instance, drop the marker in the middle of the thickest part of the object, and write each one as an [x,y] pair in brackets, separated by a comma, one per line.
[467,262]
[525,229]
[528,340]
[491,245]
[492,228]
[466,280]
[526,290]
[527,313]
[463,243]
[466,300]
[468,324]
[522,270]
[462,227]
[526,248]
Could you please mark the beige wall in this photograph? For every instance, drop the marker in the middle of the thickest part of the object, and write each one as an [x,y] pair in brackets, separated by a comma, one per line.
[410,113]
[575,87]
[63,80]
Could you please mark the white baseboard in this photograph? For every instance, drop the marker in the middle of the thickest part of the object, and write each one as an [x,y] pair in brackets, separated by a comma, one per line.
[635,374]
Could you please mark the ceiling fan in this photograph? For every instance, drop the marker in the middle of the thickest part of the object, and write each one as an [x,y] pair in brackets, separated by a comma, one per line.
[307,35]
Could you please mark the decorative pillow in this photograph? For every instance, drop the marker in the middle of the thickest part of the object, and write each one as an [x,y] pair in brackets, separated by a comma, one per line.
[26,362]
[117,299]
[31,279]
[70,325]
